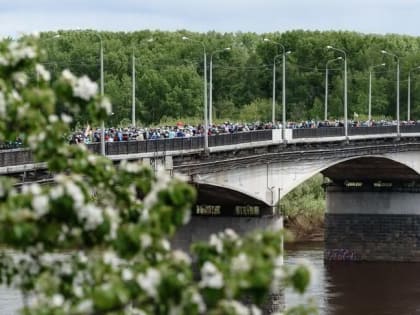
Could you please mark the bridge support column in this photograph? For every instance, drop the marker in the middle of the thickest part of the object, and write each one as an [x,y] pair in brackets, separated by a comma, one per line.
[201,227]
[375,225]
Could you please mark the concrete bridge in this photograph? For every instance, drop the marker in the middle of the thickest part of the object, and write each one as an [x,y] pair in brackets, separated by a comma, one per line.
[373,186]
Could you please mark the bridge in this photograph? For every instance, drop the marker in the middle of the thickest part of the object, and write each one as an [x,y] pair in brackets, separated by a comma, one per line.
[373,187]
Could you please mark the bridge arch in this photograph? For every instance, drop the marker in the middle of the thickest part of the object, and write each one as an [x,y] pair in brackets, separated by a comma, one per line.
[392,167]
[225,196]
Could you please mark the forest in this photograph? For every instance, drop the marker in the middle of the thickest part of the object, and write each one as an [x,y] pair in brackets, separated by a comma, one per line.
[169,73]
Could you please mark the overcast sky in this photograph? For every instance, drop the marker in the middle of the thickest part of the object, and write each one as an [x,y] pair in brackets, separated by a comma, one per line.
[366,16]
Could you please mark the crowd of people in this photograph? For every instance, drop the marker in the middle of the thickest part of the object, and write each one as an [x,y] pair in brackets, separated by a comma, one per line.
[165,132]
[181,130]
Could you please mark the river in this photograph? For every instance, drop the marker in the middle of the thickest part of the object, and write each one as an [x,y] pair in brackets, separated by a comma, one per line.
[338,289]
[358,288]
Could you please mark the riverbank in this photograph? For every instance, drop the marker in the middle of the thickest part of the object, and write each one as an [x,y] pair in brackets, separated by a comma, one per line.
[303,210]
[303,229]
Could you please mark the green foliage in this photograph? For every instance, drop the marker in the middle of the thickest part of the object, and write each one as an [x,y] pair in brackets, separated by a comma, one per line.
[304,207]
[169,72]
[96,240]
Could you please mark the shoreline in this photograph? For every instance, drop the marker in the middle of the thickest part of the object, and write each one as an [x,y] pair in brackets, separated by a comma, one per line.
[304,233]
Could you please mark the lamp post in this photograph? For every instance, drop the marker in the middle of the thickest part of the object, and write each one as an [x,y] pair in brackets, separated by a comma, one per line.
[273,118]
[102,91]
[326,87]
[409,93]
[370,90]
[101,56]
[398,87]
[345,88]
[211,84]
[133,88]
[206,136]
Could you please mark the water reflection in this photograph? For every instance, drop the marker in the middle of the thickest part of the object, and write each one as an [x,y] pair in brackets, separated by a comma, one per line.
[360,288]
[339,289]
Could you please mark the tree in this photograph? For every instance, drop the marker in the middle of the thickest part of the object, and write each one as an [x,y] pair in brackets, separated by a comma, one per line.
[96,241]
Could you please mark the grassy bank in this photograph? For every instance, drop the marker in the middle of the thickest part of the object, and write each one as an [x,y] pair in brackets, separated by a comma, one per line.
[304,210]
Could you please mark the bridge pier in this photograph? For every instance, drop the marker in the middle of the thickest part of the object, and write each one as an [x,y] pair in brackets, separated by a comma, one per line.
[201,227]
[372,224]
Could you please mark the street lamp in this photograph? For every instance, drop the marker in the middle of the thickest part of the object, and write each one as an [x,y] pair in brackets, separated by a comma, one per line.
[133,89]
[206,136]
[345,88]
[273,118]
[326,87]
[211,85]
[370,90]
[409,93]
[398,88]
[102,91]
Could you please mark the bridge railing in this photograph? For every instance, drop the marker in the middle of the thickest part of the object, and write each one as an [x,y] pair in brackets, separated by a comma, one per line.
[22,156]
[179,144]
[410,128]
[16,157]
[300,133]
[364,131]
[240,137]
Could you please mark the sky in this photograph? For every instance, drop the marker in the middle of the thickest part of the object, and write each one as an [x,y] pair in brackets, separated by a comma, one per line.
[262,16]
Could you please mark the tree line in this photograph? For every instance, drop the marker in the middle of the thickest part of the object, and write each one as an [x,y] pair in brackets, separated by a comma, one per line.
[169,72]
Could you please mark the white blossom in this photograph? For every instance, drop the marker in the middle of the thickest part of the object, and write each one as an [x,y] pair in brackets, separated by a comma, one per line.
[57,300]
[114,220]
[240,263]
[2,104]
[52,118]
[238,308]
[40,205]
[85,306]
[197,299]
[20,78]
[180,256]
[127,274]
[130,167]
[165,244]
[66,118]
[85,88]
[161,183]
[91,215]
[77,290]
[69,77]
[231,234]
[42,73]
[56,192]
[16,96]
[211,277]
[255,310]
[92,158]
[110,258]
[34,139]
[82,257]
[3,61]
[149,281]
[145,240]
[216,242]
[187,217]
[106,105]
[76,193]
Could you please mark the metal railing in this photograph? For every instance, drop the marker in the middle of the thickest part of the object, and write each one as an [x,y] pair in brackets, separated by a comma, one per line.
[13,157]
[181,144]
[322,132]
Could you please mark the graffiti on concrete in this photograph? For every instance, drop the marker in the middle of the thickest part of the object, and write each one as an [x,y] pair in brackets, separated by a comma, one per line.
[341,254]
